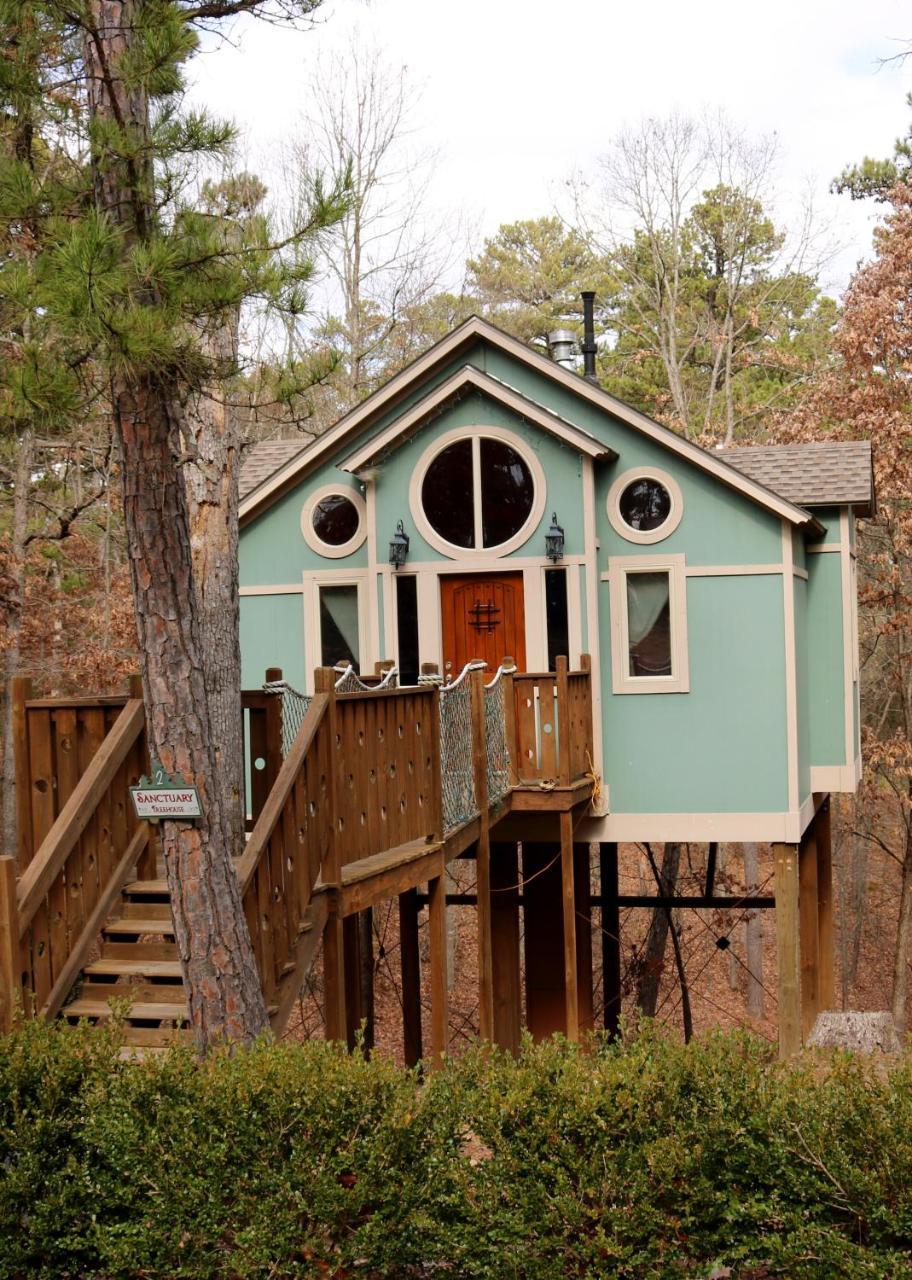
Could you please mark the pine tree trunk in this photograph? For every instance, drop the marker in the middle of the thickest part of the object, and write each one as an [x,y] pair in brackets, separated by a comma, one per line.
[903,940]
[14,606]
[657,938]
[224,992]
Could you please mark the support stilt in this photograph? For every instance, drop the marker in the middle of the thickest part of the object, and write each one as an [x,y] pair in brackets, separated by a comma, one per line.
[543,939]
[785,860]
[568,896]
[611,937]
[334,980]
[440,1012]
[505,945]
[351,946]
[410,959]
[808,946]
[825,944]
[583,908]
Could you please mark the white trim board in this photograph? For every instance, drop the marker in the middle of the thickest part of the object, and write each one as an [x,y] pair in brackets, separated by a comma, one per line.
[791,667]
[473,330]
[697,827]
[843,778]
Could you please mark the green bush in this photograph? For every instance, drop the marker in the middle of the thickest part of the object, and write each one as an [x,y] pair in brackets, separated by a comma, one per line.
[637,1159]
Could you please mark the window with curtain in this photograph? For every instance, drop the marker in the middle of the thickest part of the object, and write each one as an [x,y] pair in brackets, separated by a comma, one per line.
[339,626]
[649,624]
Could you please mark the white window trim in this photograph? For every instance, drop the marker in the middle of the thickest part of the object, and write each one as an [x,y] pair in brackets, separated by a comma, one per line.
[476,434]
[645,537]
[618,568]
[310,535]
[313,640]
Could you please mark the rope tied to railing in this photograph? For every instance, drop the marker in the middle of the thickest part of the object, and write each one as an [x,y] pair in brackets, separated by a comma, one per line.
[500,672]
[294,709]
[477,665]
[350,682]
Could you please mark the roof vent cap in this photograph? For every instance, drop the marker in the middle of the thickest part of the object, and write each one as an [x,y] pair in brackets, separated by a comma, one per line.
[562,347]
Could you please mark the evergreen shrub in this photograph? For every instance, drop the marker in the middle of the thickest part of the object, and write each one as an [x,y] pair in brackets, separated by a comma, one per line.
[642,1158]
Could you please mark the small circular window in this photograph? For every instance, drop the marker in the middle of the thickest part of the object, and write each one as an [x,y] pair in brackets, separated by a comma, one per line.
[481,491]
[645,505]
[333,521]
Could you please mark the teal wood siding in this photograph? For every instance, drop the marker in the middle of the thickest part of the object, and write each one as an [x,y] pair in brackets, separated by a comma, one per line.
[561,466]
[722,747]
[272,635]
[273,551]
[826,665]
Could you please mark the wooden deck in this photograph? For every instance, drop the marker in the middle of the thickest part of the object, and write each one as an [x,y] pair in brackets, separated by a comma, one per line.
[361,810]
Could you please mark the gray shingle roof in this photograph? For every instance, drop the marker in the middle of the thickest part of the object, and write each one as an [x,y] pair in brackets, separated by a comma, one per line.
[261,460]
[811,475]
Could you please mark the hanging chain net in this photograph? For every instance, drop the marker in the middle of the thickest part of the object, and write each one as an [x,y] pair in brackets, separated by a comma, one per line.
[294,709]
[498,754]
[456,764]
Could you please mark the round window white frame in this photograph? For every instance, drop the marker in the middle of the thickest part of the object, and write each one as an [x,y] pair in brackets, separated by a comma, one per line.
[479,433]
[310,534]
[645,537]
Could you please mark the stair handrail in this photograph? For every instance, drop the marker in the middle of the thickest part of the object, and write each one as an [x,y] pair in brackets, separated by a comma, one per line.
[76,814]
[275,801]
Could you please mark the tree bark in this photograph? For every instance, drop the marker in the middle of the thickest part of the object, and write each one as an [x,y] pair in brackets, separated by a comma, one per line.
[14,606]
[903,939]
[224,992]
[657,937]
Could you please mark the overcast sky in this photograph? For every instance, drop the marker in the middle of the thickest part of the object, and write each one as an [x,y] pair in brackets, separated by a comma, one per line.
[518,93]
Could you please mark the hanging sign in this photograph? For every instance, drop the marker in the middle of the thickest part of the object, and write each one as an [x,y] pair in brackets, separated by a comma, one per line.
[164,796]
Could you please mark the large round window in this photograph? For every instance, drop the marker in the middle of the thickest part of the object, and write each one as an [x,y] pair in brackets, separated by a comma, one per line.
[478,492]
[332,521]
[645,505]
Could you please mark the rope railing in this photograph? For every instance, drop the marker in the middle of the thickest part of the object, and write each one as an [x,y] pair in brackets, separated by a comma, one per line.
[350,682]
[294,709]
[497,749]
[456,755]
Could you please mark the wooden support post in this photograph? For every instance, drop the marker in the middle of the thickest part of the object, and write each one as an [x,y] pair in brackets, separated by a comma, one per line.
[333,941]
[563,721]
[611,937]
[366,974]
[568,894]
[410,964]
[440,1007]
[10,990]
[808,944]
[543,939]
[825,945]
[505,945]
[509,704]
[351,946]
[482,861]
[582,876]
[785,862]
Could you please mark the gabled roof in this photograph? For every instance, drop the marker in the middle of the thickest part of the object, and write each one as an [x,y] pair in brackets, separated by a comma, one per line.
[466,335]
[822,474]
[463,381]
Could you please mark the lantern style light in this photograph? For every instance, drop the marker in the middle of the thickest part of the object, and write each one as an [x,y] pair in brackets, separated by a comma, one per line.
[399,545]
[554,540]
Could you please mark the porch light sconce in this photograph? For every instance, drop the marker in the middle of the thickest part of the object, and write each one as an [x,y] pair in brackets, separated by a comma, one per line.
[399,545]
[554,540]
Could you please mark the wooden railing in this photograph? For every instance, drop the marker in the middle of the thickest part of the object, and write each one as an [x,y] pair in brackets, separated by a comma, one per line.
[553,724]
[93,845]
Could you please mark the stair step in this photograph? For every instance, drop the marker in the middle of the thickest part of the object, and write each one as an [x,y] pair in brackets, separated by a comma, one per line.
[146,910]
[157,1037]
[157,1011]
[139,967]
[147,889]
[140,925]
[139,951]
[158,993]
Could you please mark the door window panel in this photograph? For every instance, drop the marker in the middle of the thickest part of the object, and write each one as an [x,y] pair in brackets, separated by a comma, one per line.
[339,626]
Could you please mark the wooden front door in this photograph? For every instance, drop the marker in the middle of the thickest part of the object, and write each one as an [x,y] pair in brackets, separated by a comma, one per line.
[483,617]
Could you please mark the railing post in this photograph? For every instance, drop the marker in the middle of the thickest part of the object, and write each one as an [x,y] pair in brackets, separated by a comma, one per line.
[482,861]
[9,944]
[563,721]
[147,865]
[589,747]
[436,813]
[333,940]
[509,705]
[274,739]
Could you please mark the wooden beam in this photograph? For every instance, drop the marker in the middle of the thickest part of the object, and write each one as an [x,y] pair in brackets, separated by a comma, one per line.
[785,863]
[712,856]
[543,939]
[370,881]
[334,977]
[583,912]
[825,944]
[568,897]
[20,692]
[440,1009]
[808,942]
[351,947]
[505,945]
[305,952]
[410,968]
[10,988]
[73,818]
[611,937]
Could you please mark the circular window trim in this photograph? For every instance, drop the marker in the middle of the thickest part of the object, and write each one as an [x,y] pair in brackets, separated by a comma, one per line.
[310,534]
[645,537]
[539,494]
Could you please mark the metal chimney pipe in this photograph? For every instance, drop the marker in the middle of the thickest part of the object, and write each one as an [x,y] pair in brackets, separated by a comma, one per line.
[561,346]
[588,347]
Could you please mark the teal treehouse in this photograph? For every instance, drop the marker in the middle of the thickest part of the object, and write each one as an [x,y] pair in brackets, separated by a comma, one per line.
[489,504]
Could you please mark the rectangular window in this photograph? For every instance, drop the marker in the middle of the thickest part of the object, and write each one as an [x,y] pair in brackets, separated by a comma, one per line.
[339,626]
[556,617]
[407,628]
[648,624]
